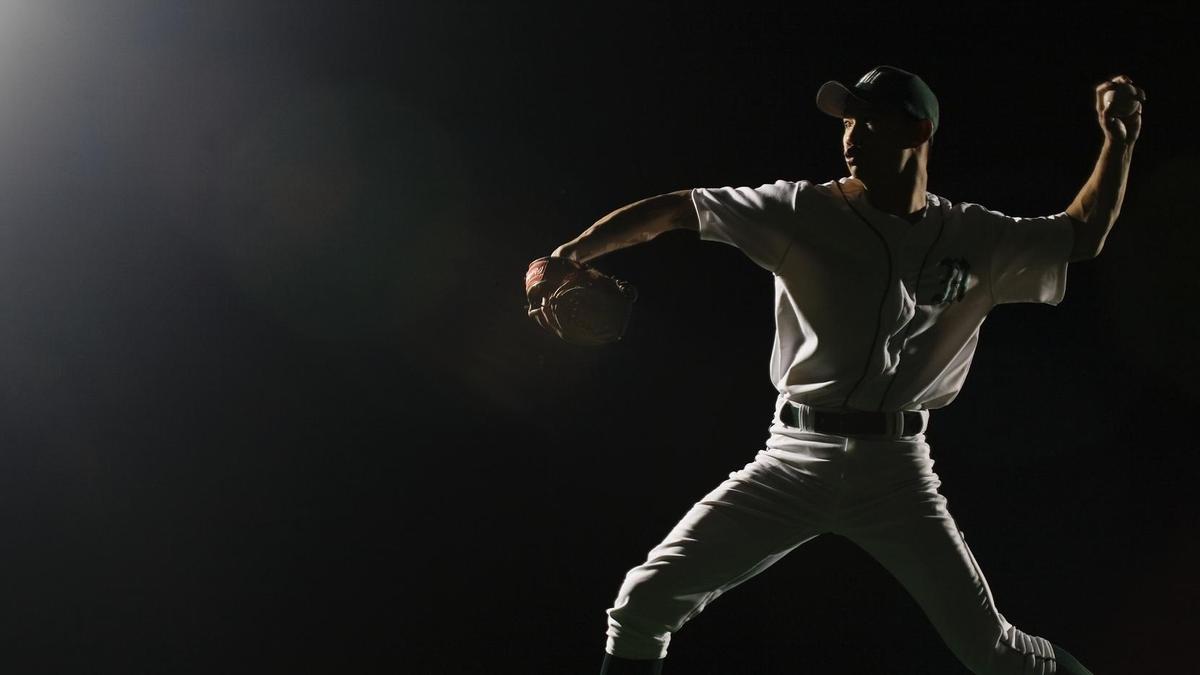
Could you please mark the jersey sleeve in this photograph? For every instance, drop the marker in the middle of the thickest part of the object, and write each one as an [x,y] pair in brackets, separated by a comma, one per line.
[1029,256]
[759,221]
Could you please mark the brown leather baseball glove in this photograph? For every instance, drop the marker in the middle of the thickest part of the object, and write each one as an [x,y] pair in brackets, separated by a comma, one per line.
[577,302]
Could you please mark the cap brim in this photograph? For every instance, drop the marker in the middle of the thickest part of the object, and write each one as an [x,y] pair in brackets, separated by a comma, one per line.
[833,98]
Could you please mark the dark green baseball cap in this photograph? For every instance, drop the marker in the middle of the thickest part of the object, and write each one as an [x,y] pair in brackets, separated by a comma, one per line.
[882,87]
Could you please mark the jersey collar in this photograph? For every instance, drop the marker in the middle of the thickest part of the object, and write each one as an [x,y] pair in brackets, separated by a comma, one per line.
[857,194]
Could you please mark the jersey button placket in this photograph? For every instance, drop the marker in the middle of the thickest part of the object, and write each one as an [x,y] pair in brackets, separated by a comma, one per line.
[891,321]
[914,249]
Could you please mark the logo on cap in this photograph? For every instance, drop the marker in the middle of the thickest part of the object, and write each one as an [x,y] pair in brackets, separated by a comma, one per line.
[871,76]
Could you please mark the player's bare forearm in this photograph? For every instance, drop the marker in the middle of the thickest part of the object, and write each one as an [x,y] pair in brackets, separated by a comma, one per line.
[633,224]
[1098,203]
[1096,207]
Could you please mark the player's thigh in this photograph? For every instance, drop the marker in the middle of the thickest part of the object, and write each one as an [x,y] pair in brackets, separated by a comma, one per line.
[928,555]
[736,531]
[923,548]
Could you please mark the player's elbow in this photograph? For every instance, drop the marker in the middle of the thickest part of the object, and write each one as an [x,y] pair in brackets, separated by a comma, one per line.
[1085,251]
[666,212]
[1087,243]
[682,211]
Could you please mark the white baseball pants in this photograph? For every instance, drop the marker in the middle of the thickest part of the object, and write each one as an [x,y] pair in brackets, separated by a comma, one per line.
[880,493]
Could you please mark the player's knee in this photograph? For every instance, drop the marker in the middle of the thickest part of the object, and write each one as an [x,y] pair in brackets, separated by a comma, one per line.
[1015,652]
[635,636]
[638,626]
[646,612]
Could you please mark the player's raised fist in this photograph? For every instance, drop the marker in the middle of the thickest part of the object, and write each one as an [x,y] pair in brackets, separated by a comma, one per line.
[1119,108]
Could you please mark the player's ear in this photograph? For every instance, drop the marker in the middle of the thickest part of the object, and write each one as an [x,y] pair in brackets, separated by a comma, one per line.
[923,132]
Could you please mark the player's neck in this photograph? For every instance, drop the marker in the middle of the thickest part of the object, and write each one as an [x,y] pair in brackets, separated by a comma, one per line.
[902,195]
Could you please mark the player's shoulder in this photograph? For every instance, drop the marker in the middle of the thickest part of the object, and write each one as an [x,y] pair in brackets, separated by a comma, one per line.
[783,191]
[968,214]
[975,210]
[775,188]
[982,216]
[830,190]
[789,186]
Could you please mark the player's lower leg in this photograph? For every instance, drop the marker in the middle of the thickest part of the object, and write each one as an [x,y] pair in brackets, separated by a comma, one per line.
[615,665]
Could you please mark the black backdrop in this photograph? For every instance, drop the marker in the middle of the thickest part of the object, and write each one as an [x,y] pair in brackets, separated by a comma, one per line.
[269,401]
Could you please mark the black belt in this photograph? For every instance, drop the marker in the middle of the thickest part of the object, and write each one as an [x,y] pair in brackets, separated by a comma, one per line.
[854,422]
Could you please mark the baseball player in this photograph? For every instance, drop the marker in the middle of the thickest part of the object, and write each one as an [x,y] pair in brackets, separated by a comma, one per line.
[880,291]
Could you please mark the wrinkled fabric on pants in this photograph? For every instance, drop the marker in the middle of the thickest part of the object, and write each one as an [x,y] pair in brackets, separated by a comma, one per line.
[881,493]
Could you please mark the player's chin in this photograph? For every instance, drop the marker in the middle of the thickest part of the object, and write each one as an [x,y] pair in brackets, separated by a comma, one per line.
[863,171]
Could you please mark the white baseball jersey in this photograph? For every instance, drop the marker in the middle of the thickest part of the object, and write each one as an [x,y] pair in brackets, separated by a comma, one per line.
[873,312]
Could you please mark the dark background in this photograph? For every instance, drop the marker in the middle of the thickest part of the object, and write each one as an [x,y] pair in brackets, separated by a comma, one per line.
[269,401]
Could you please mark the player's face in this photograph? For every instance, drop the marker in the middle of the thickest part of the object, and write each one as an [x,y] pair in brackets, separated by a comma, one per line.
[878,144]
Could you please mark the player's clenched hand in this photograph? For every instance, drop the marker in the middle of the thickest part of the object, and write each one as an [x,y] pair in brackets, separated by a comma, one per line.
[1119,108]
[577,303]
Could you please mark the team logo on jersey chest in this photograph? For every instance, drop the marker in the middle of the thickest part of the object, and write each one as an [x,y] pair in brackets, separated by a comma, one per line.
[953,274]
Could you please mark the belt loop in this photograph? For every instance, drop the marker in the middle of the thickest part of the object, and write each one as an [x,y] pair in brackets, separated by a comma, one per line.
[807,417]
[923,416]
